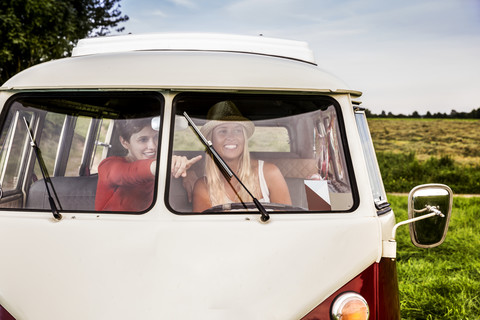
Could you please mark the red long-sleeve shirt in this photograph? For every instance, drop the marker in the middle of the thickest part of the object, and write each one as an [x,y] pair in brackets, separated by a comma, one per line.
[123,185]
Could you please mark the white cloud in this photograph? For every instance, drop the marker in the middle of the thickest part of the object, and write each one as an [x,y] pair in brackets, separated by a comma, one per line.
[184,3]
[158,13]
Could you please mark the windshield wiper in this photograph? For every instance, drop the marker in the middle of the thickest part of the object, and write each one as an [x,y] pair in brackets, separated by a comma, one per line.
[225,169]
[46,178]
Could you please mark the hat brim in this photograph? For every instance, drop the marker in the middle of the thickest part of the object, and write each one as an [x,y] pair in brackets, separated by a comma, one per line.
[247,124]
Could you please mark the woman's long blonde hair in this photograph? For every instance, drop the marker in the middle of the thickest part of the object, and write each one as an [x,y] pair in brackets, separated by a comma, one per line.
[214,178]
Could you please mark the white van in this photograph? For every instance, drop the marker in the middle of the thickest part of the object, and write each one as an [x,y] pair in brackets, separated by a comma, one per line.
[324,250]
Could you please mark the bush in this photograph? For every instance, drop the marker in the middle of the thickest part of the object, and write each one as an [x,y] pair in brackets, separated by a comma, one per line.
[401,172]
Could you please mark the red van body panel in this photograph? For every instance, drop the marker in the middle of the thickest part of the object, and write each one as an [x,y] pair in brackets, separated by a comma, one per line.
[377,284]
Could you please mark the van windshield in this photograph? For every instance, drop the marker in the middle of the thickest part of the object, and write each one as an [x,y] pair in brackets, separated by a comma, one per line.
[288,151]
[90,147]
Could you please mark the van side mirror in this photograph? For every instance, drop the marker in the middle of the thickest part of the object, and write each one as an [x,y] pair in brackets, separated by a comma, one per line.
[425,199]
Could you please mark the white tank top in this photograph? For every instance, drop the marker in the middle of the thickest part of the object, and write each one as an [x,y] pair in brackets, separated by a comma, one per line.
[263,185]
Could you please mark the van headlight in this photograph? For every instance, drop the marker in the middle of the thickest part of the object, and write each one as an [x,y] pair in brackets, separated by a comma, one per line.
[350,306]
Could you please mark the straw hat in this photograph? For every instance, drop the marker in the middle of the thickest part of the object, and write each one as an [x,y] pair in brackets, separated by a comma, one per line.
[224,112]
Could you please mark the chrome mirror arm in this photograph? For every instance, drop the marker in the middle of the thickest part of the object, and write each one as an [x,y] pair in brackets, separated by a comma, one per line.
[433,212]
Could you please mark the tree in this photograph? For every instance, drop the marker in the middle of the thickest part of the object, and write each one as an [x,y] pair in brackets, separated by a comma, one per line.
[34,31]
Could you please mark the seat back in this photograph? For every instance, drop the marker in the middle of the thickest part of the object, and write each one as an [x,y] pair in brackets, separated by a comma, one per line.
[295,171]
[74,193]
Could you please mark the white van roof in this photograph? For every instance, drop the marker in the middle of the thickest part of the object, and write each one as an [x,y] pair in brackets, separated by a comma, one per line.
[222,63]
[292,49]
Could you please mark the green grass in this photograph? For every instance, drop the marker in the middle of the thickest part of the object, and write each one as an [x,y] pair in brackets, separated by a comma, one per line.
[402,172]
[442,282]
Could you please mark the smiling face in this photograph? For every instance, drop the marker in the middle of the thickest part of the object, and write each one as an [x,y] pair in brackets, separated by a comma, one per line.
[228,139]
[141,145]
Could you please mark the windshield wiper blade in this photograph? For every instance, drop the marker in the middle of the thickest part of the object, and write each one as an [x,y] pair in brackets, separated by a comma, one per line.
[46,178]
[224,168]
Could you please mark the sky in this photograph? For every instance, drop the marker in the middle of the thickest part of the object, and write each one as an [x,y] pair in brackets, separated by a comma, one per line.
[404,55]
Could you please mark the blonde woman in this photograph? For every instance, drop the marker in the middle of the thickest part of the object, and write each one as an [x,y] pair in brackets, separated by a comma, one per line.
[229,132]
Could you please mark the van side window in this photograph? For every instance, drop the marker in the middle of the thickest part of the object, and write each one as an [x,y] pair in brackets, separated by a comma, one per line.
[74,133]
[376,182]
[300,137]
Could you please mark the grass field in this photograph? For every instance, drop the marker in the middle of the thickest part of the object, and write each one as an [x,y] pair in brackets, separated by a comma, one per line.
[459,139]
[416,151]
[442,282]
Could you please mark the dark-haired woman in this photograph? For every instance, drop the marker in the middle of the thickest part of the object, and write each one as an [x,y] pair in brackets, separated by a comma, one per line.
[127,183]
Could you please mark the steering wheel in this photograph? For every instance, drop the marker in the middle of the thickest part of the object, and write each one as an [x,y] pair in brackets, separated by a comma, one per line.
[250,206]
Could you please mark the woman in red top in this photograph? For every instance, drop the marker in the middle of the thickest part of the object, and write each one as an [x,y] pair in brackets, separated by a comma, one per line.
[127,183]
